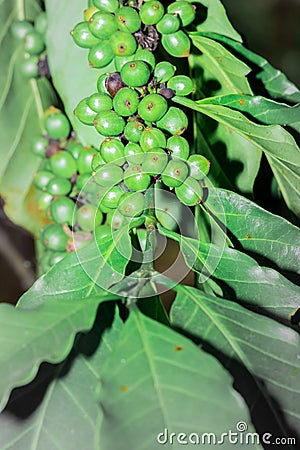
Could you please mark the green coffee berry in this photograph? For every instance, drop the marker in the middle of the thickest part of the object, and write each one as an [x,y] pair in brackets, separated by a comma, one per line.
[133,153]
[54,237]
[135,73]
[126,102]
[59,186]
[63,164]
[123,43]
[179,147]
[115,219]
[20,28]
[155,161]
[145,55]
[56,257]
[152,107]
[112,151]
[40,23]
[185,10]
[133,131]
[101,84]
[136,179]
[108,175]
[132,204]
[84,113]
[127,19]
[89,12]
[181,85]
[88,217]
[97,161]
[174,121]
[44,200]
[175,173]
[84,162]
[151,12]
[109,123]
[75,148]
[169,23]
[100,102]
[34,43]
[42,178]
[57,125]
[199,166]
[82,36]
[152,137]
[190,192]
[164,71]
[62,210]
[29,67]
[38,146]
[82,180]
[112,197]
[102,25]
[176,44]
[120,61]
[107,5]
[100,55]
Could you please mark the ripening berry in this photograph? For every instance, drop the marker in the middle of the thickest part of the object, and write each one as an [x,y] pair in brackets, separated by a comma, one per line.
[145,55]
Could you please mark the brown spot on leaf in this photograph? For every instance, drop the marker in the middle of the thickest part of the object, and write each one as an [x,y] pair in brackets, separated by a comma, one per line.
[249,236]
[124,388]
[178,348]
[242,102]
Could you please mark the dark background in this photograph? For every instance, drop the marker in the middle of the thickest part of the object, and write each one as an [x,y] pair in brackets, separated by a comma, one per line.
[269,27]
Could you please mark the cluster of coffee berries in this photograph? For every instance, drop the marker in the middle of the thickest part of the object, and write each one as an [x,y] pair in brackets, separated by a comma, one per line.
[114,30]
[65,194]
[32,35]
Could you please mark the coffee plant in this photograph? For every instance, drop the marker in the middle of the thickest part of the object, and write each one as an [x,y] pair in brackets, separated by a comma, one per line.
[126,126]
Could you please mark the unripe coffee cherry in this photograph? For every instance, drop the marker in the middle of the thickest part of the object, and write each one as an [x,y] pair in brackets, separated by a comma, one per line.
[152,107]
[112,150]
[181,85]
[62,210]
[120,61]
[127,19]
[155,161]
[82,36]
[38,146]
[57,125]
[151,12]
[54,237]
[40,23]
[107,5]
[108,175]
[133,153]
[101,84]
[109,123]
[135,73]
[34,43]
[135,178]
[20,28]
[132,204]
[100,55]
[179,147]
[59,186]
[164,71]
[84,113]
[84,161]
[190,192]
[176,44]
[63,164]
[41,179]
[100,102]
[199,166]
[29,67]
[126,102]
[133,131]
[89,12]
[185,10]
[102,25]
[174,121]
[175,173]
[88,217]
[123,43]
[112,197]
[152,137]
[145,55]
[169,23]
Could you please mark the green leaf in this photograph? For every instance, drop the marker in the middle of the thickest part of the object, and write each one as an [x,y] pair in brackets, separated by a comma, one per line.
[256,229]
[58,411]
[46,333]
[265,110]
[72,76]
[260,288]
[274,81]
[278,145]
[216,19]
[83,273]
[221,65]
[21,107]
[268,350]
[158,379]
